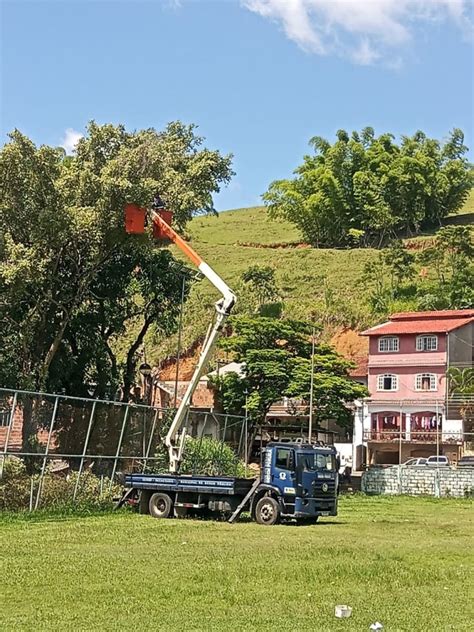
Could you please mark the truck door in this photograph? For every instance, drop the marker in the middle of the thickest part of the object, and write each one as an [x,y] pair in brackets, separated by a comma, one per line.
[283,470]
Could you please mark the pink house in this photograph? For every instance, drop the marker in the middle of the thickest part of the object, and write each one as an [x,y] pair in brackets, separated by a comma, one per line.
[408,412]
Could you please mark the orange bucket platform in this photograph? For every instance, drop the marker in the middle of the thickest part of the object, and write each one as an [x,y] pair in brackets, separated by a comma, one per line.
[135,218]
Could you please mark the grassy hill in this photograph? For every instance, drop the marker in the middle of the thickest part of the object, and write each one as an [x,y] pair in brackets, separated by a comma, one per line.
[324,282]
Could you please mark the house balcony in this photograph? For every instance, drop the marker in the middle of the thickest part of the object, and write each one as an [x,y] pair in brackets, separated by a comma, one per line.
[433,436]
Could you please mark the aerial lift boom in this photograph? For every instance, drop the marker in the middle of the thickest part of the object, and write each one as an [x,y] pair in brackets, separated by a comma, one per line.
[161,218]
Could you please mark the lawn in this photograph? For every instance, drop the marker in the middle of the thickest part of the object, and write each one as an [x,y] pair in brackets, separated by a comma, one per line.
[405,562]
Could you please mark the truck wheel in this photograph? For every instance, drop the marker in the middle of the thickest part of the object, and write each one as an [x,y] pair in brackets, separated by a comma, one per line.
[267,511]
[160,505]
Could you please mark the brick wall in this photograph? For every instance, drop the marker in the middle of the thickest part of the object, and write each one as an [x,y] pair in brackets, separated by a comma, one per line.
[203,396]
[416,481]
[16,432]
[14,440]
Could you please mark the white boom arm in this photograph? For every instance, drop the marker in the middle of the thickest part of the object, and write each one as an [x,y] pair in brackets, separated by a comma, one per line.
[223,308]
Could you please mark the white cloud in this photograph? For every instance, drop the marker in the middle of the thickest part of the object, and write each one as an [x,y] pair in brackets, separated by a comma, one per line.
[70,140]
[366,31]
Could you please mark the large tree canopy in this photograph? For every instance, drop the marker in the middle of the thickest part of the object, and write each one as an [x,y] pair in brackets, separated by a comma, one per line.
[276,357]
[363,188]
[71,280]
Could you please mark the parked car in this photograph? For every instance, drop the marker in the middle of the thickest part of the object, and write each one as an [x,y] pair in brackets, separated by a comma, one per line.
[465,461]
[418,461]
[436,461]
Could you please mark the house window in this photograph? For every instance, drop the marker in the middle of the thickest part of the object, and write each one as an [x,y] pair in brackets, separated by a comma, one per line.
[389,344]
[426,382]
[387,382]
[427,343]
[4,417]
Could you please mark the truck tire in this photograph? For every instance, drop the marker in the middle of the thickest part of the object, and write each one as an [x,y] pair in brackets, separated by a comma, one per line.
[267,511]
[160,505]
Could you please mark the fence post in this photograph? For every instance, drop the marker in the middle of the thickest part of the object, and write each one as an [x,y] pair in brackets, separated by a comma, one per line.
[9,429]
[84,451]
[222,444]
[437,489]
[147,453]
[45,459]
[119,447]
[32,489]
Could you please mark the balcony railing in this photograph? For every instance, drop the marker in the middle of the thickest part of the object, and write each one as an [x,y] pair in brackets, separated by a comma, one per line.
[414,436]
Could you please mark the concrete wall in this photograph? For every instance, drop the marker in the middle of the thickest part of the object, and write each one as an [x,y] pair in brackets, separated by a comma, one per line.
[460,345]
[416,481]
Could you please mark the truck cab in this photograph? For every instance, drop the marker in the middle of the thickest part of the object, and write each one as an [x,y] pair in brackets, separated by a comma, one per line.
[301,478]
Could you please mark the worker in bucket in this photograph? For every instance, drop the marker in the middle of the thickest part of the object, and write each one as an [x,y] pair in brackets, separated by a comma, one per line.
[158,202]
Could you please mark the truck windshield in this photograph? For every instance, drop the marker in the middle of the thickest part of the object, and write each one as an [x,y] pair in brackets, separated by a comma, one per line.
[312,462]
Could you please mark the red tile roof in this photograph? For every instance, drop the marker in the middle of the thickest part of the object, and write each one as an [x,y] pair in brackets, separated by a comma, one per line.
[423,323]
[445,313]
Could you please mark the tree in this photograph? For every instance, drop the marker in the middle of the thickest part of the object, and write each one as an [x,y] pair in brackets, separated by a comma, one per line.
[71,280]
[374,185]
[261,280]
[276,355]
[461,392]
[332,388]
[449,266]
[438,277]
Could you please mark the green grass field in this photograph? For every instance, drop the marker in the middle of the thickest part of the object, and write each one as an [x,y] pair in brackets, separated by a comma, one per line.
[406,562]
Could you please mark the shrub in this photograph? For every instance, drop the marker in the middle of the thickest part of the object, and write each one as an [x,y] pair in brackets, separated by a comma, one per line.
[210,457]
[57,491]
[206,456]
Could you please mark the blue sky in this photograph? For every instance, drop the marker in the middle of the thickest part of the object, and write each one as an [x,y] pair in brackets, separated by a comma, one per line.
[259,77]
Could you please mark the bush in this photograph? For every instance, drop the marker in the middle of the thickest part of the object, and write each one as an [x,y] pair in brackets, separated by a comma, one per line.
[57,491]
[209,457]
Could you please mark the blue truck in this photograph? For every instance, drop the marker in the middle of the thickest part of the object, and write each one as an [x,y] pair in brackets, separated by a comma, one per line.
[297,482]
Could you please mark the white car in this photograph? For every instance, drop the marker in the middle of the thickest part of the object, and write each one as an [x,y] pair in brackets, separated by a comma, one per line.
[436,461]
[417,461]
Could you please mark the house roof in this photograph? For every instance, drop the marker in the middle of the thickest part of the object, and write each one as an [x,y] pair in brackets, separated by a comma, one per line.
[232,367]
[423,322]
[440,314]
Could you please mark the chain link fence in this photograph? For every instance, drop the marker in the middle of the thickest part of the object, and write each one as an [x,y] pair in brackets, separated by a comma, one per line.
[59,449]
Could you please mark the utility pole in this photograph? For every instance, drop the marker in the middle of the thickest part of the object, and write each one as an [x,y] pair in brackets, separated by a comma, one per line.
[310,424]
[246,454]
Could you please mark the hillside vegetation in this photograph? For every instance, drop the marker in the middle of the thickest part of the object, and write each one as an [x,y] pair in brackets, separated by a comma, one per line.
[326,284]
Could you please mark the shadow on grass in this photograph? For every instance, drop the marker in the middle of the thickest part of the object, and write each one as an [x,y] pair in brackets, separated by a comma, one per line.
[55,515]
